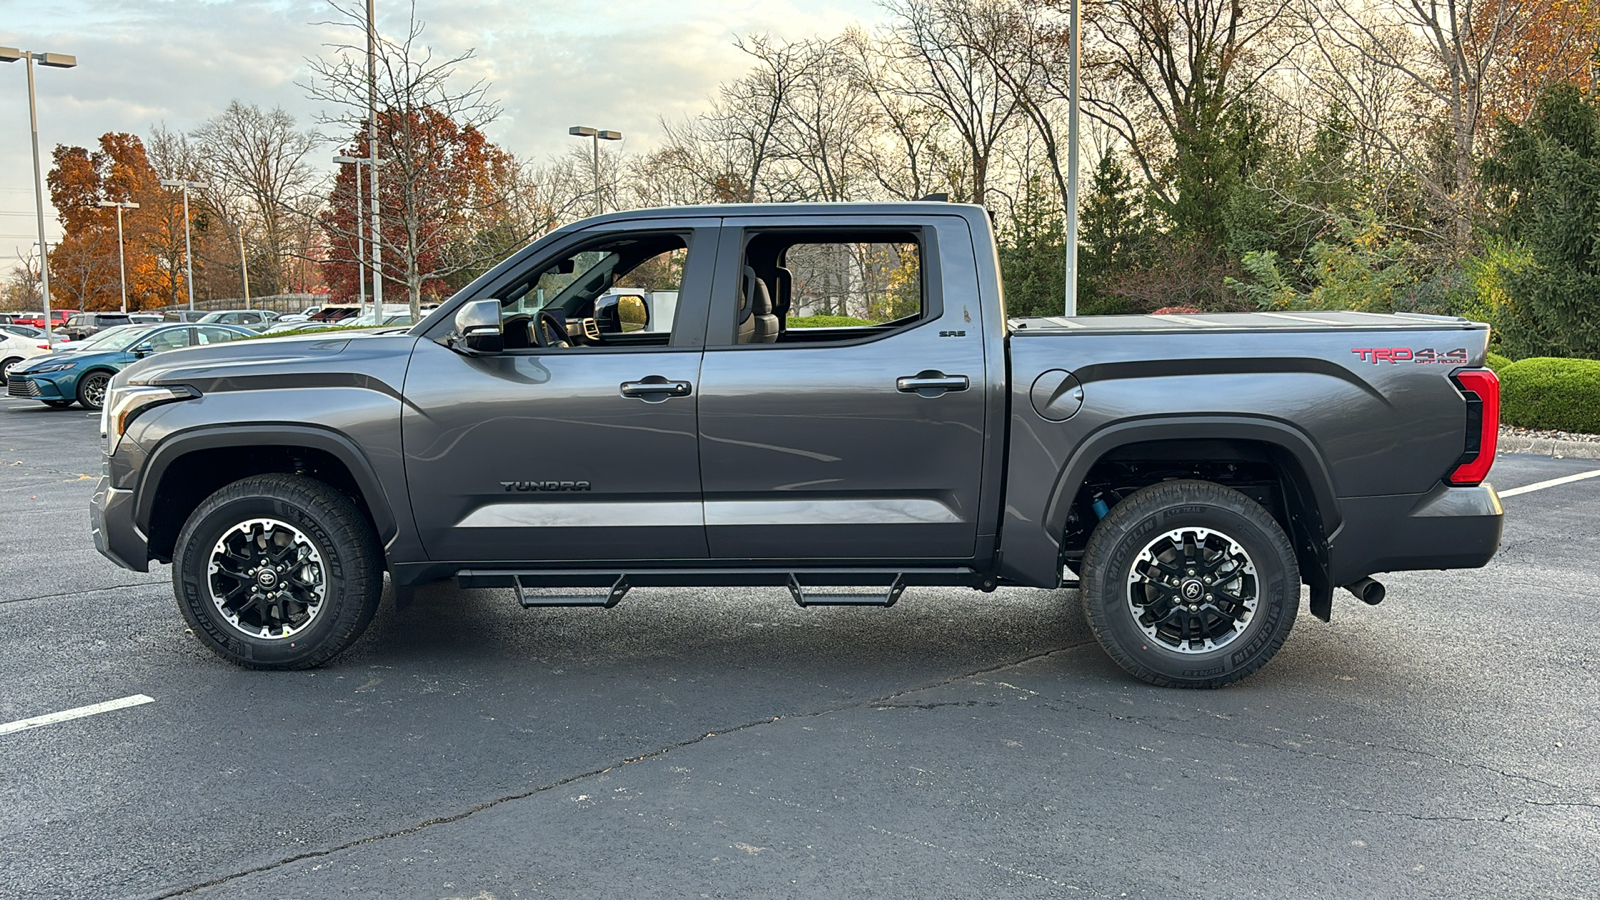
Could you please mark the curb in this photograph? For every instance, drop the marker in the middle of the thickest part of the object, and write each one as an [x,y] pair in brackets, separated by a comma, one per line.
[1550,447]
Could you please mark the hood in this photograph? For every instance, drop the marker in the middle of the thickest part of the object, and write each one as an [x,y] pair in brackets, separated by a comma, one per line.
[76,357]
[237,364]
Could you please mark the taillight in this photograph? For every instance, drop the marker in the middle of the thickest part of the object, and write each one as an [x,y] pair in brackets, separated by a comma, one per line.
[1481,387]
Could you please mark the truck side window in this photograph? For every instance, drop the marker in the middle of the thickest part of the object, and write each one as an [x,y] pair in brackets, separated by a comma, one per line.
[622,291]
[823,286]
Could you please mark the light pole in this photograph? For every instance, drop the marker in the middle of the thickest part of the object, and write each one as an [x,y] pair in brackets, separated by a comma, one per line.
[361,236]
[55,61]
[188,256]
[122,266]
[1072,161]
[372,156]
[598,135]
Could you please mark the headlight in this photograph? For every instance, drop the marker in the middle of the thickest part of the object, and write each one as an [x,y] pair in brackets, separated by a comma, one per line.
[53,367]
[123,403]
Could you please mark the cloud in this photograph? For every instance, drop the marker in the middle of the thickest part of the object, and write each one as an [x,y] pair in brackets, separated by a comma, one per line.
[551,64]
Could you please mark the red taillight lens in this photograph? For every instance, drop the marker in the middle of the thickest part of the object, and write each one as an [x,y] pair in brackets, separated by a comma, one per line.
[1481,387]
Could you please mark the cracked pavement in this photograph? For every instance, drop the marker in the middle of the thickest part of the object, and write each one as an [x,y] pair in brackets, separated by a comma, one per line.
[724,743]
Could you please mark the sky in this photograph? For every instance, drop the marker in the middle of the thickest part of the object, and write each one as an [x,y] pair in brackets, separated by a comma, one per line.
[551,64]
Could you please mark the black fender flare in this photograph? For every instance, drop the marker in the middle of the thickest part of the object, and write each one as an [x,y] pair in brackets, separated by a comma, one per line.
[213,437]
[1258,429]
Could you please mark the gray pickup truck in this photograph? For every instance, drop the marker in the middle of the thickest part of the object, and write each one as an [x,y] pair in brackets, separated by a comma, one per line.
[828,398]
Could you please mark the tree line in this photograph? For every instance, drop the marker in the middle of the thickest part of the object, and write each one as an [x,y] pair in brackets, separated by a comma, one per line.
[1415,155]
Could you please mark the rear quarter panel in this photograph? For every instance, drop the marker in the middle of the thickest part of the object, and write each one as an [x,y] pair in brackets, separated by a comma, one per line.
[1363,427]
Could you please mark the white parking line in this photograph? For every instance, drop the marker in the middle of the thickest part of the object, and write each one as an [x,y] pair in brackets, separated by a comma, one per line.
[1539,486]
[67,715]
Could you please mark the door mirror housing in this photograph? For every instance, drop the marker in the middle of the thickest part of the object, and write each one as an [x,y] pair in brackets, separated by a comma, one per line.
[144,350]
[478,326]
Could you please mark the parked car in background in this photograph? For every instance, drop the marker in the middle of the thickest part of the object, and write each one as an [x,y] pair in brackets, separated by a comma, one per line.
[281,327]
[28,331]
[256,319]
[146,318]
[65,345]
[15,348]
[58,317]
[58,379]
[184,315]
[82,325]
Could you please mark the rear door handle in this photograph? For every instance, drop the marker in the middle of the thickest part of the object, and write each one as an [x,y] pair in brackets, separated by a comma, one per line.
[655,388]
[931,383]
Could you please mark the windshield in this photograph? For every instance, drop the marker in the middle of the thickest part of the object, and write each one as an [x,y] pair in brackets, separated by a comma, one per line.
[120,338]
[100,337]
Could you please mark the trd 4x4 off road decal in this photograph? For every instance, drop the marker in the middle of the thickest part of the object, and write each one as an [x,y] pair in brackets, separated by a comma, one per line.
[1396,355]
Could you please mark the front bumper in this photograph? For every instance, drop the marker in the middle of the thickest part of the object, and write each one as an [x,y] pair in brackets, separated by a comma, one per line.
[115,534]
[1446,528]
[34,387]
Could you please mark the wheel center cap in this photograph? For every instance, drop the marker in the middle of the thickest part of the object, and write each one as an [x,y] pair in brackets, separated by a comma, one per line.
[1192,589]
[266,578]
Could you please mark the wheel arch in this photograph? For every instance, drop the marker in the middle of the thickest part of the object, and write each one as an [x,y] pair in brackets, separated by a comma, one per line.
[1310,512]
[190,465]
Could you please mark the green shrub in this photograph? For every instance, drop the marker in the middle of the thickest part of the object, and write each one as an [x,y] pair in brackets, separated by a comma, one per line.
[1545,392]
[826,322]
[1497,362]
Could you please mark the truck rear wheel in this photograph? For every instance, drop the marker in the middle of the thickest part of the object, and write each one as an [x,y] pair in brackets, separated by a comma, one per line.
[1190,584]
[277,572]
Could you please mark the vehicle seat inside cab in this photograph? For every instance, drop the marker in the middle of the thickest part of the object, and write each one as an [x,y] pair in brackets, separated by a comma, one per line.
[757,322]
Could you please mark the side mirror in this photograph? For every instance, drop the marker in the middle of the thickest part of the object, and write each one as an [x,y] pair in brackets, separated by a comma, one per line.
[143,350]
[478,324]
[621,313]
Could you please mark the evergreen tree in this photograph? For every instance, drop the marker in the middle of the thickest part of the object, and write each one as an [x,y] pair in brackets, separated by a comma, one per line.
[1545,177]
[1113,236]
[1033,255]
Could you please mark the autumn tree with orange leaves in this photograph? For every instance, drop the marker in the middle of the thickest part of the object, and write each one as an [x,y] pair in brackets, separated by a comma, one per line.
[83,266]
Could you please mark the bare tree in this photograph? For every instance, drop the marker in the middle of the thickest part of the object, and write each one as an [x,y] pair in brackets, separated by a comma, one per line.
[939,66]
[1160,72]
[437,172]
[257,159]
[1450,54]
[21,289]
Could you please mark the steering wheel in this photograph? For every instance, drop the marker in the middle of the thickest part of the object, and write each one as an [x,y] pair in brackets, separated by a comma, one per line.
[549,332]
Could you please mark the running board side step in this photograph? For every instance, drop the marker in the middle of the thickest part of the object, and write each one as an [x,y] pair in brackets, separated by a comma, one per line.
[885,600]
[611,598]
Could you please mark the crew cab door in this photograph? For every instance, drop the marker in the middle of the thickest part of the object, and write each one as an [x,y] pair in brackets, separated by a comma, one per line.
[864,441]
[582,452]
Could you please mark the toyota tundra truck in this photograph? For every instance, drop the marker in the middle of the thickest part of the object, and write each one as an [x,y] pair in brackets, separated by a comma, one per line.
[828,398]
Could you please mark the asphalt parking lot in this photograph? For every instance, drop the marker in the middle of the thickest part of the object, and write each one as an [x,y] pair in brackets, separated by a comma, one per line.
[725,743]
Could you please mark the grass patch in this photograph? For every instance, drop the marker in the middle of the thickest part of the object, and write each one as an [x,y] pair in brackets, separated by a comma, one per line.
[826,322]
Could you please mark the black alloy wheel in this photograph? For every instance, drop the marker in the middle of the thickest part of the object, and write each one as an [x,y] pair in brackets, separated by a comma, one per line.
[278,572]
[1190,584]
[92,389]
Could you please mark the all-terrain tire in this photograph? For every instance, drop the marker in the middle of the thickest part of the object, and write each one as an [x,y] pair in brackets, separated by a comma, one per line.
[1147,595]
[307,533]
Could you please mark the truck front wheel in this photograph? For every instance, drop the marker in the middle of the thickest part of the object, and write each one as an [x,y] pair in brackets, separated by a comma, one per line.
[1190,584]
[277,572]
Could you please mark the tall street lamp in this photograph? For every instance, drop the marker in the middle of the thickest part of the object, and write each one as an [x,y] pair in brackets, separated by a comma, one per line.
[122,266]
[598,135]
[1073,50]
[188,257]
[54,61]
[361,236]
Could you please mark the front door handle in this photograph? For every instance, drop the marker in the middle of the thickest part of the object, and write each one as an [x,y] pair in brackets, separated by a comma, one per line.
[931,383]
[655,388]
